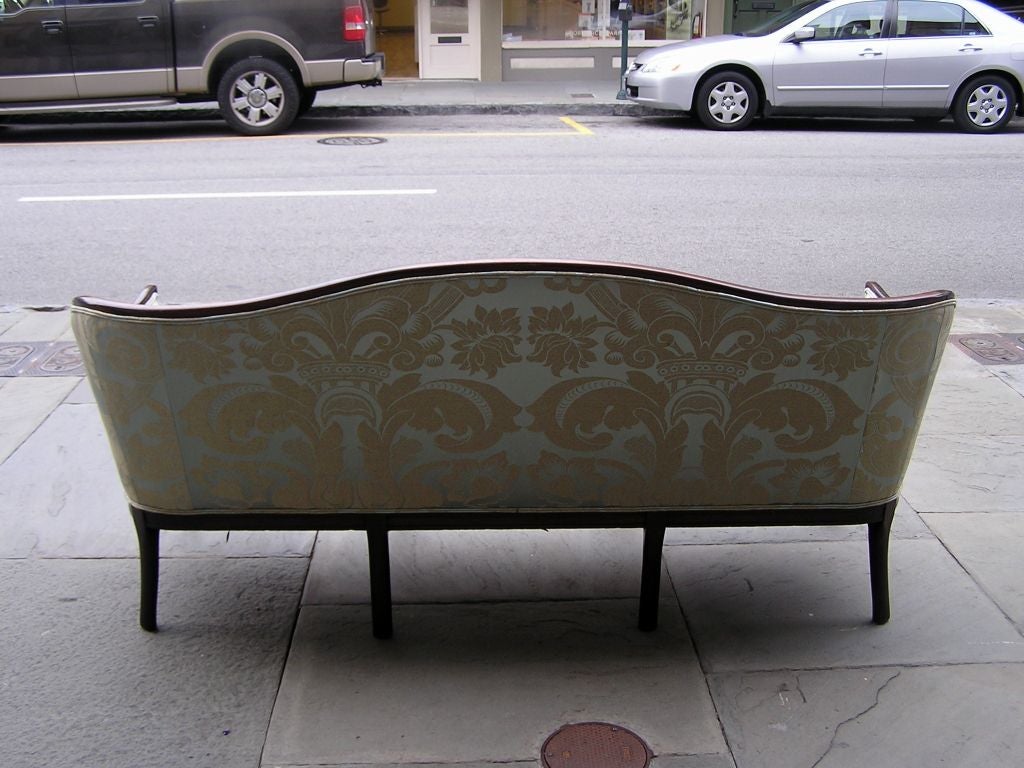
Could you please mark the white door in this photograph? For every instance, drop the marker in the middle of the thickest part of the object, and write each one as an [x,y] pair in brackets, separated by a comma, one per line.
[449,37]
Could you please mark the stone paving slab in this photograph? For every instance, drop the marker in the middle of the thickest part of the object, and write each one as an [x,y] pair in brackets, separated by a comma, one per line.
[82,685]
[1012,376]
[990,546]
[808,605]
[906,525]
[27,403]
[664,761]
[474,566]
[966,716]
[970,400]
[39,326]
[485,683]
[966,473]
[60,496]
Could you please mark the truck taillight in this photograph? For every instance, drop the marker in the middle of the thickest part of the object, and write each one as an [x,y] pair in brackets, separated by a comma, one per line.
[354,26]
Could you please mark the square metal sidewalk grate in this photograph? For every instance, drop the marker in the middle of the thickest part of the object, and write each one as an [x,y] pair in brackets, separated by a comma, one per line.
[991,348]
[41,358]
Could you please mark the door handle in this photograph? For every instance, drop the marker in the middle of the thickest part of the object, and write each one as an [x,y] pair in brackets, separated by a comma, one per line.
[53,27]
[148,22]
[968,48]
[869,52]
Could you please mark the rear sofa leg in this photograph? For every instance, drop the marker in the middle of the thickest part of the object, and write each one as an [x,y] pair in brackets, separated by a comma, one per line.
[878,554]
[149,569]
[380,580]
[650,577]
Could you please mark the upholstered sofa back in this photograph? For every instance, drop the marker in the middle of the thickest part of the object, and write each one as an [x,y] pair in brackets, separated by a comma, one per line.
[513,386]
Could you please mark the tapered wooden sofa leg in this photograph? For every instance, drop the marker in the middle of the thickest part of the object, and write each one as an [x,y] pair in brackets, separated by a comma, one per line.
[380,580]
[149,569]
[878,553]
[650,577]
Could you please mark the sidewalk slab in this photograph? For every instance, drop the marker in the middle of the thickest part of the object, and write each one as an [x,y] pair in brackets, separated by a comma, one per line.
[966,473]
[485,684]
[990,547]
[971,399]
[475,566]
[27,403]
[60,496]
[808,605]
[39,326]
[906,525]
[966,716]
[83,685]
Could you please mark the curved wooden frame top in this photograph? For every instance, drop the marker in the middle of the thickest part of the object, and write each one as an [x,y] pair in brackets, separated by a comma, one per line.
[481,268]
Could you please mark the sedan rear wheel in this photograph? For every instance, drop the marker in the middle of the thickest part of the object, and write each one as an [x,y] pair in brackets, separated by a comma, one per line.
[727,101]
[985,105]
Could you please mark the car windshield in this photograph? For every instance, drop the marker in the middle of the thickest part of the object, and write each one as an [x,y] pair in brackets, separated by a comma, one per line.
[775,23]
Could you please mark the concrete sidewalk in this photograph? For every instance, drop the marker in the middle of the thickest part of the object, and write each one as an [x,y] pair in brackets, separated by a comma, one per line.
[404,97]
[765,657]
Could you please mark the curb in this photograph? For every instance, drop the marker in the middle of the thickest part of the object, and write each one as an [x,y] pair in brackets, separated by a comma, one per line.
[187,112]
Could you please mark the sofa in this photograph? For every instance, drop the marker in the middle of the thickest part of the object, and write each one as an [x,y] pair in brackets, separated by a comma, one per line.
[513,395]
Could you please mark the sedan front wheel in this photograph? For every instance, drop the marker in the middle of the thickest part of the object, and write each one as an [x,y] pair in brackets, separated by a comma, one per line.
[727,101]
[984,105]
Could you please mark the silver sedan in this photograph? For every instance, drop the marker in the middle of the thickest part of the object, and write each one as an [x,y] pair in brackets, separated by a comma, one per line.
[903,58]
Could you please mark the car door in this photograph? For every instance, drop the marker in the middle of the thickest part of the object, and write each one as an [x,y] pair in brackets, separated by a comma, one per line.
[121,47]
[933,46]
[843,65]
[35,58]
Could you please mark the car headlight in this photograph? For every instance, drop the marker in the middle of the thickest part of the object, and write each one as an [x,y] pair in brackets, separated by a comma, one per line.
[660,66]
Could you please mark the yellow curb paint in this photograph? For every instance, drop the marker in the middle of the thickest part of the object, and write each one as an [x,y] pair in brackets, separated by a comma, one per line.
[576,126]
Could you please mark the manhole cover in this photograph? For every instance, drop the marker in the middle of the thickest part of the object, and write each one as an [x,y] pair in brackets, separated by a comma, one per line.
[594,745]
[351,141]
[992,348]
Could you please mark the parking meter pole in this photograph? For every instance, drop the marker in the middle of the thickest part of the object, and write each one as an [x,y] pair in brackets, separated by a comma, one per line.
[625,14]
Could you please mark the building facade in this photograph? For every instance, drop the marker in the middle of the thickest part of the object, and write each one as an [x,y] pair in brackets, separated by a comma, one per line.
[504,40]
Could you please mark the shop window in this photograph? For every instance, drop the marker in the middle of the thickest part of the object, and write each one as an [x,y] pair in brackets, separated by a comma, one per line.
[595,20]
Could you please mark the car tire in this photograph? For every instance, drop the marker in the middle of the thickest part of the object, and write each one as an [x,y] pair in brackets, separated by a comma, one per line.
[985,104]
[258,97]
[727,101]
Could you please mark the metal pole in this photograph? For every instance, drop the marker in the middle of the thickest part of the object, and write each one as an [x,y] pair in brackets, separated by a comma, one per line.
[624,63]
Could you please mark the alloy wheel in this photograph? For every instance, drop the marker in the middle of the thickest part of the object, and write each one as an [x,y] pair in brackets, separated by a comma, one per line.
[256,98]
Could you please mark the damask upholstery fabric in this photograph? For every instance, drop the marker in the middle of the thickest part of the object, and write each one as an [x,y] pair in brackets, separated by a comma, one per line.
[517,390]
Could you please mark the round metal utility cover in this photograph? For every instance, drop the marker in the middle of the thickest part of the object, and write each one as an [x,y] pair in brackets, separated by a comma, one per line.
[351,141]
[594,745]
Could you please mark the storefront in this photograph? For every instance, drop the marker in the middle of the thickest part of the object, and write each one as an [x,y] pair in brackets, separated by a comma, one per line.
[495,40]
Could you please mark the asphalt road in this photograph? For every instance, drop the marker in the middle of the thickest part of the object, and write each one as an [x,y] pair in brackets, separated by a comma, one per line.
[812,206]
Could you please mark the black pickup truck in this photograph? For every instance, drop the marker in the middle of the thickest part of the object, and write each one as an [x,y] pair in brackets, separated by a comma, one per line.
[262,60]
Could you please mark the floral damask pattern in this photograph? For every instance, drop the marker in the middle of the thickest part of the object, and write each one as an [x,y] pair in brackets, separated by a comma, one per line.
[514,390]
[561,339]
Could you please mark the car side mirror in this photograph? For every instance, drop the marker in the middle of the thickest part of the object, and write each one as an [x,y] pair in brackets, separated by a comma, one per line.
[804,33]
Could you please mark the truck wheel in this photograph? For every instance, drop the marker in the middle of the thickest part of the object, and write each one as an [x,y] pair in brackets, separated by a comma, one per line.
[258,97]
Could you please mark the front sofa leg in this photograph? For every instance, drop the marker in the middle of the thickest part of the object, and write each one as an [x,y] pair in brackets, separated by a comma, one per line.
[878,554]
[650,577]
[380,580]
[149,569]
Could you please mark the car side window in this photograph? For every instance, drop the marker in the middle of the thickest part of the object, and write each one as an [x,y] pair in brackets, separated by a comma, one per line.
[919,19]
[850,22]
[7,7]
